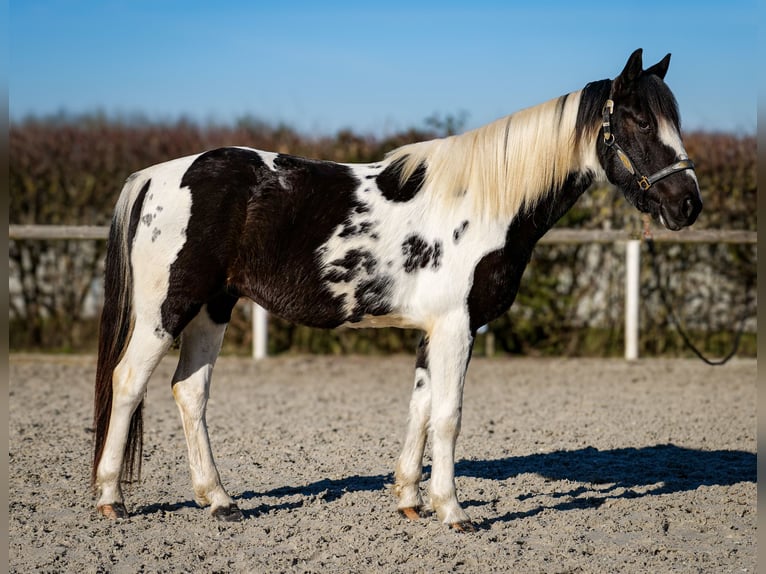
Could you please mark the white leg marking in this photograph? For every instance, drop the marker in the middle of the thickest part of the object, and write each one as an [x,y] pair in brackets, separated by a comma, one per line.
[200,345]
[129,381]
[410,466]
[449,350]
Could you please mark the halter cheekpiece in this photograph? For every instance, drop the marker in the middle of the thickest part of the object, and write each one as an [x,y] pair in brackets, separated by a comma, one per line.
[644,181]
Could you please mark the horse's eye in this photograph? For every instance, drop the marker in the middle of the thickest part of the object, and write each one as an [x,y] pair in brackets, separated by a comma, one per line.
[644,125]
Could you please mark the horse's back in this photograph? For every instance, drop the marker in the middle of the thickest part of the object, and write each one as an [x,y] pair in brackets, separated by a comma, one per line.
[316,242]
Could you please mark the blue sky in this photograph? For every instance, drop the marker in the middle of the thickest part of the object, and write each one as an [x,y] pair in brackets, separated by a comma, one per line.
[372,67]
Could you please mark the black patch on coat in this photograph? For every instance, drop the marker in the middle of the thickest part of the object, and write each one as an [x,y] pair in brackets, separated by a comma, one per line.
[254,232]
[220,306]
[497,275]
[372,298]
[419,254]
[354,262]
[349,231]
[393,190]
[421,361]
[291,213]
[354,229]
[219,182]
[459,230]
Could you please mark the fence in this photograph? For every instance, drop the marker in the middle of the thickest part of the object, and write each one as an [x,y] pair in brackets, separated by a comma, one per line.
[560,236]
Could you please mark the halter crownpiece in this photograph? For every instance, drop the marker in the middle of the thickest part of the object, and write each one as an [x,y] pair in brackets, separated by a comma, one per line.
[644,181]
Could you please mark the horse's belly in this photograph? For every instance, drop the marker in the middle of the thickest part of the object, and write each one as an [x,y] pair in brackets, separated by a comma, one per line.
[380,321]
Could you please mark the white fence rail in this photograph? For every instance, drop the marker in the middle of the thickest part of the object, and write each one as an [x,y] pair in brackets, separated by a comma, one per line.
[554,236]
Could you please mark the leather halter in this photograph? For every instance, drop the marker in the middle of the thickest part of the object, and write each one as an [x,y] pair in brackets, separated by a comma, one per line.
[644,181]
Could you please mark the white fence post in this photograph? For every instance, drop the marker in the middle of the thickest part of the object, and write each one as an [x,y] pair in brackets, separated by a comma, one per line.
[632,291]
[260,320]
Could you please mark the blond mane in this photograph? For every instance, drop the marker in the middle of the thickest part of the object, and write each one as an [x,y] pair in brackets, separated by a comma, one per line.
[504,166]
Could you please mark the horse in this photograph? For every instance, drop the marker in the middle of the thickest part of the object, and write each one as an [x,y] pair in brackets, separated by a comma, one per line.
[435,236]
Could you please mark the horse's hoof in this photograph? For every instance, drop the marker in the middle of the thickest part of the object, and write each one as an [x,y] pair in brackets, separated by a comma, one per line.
[410,512]
[464,526]
[116,511]
[230,513]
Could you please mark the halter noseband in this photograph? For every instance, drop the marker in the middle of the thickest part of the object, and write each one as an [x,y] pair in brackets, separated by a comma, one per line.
[644,181]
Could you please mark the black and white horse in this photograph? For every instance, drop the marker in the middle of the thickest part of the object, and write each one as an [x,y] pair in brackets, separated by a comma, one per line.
[435,236]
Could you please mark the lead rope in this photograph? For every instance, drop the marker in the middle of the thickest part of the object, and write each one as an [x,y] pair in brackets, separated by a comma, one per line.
[647,236]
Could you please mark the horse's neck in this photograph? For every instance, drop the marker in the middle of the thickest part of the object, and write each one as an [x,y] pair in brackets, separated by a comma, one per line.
[531,224]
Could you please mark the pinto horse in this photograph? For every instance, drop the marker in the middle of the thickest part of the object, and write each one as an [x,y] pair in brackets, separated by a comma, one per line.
[435,236]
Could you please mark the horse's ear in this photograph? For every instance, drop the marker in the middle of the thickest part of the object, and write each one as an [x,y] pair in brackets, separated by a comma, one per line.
[660,68]
[630,73]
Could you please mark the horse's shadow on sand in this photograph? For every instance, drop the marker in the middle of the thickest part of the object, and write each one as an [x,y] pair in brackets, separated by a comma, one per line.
[603,475]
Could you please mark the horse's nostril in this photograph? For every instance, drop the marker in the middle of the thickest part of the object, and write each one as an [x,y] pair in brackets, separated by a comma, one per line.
[687,207]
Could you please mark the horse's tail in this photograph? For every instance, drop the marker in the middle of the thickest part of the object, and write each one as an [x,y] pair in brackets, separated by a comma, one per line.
[116,326]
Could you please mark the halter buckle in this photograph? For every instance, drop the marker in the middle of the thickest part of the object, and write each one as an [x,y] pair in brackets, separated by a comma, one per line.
[644,183]
[606,123]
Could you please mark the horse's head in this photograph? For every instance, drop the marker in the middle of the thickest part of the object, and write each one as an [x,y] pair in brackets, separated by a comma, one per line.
[641,149]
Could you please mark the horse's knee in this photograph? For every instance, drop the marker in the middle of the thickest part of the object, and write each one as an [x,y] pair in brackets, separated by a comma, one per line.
[446,426]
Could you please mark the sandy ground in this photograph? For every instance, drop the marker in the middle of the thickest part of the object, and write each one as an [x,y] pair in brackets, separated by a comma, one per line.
[564,465]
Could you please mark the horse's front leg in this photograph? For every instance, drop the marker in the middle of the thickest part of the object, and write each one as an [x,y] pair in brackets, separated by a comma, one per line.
[410,466]
[450,344]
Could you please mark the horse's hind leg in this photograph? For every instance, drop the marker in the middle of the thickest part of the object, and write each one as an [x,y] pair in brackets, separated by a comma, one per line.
[200,345]
[410,466]
[129,380]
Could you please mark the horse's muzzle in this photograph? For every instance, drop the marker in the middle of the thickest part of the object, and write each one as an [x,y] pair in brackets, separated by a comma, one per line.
[680,213]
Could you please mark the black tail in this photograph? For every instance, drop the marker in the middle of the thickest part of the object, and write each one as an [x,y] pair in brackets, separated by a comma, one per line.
[115,329]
